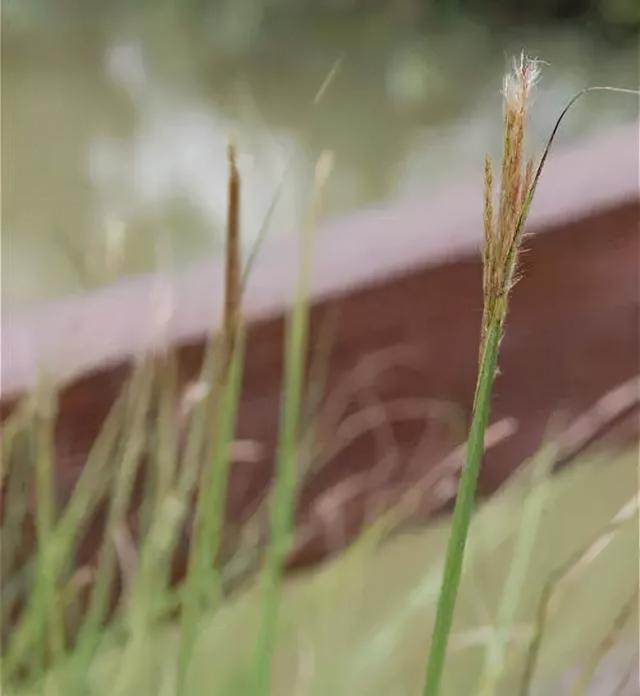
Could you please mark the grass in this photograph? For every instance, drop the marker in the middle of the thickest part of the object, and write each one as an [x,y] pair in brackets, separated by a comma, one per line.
[496,654]
[357,625]
[502,240]
[284,489]
[364,618]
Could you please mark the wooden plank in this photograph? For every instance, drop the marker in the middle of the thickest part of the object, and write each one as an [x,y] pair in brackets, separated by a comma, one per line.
[78,334]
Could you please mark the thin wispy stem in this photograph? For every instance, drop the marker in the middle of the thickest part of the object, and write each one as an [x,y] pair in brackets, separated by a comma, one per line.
[563,577]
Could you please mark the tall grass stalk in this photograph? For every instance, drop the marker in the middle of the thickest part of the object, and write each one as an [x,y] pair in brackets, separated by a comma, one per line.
[52,624]
[120,498]
[502,236]
[462,515]
[202,581]
[502,240]
[60,538]
[284,487]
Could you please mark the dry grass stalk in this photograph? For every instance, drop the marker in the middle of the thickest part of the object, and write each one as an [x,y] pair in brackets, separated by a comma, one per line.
[232,278]
[203,579]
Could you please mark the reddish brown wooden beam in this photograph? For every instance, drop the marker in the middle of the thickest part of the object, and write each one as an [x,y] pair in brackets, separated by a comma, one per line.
[78,334]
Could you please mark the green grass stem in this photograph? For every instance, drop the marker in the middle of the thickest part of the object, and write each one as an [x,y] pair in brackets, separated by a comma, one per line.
[462,512]
[285,483]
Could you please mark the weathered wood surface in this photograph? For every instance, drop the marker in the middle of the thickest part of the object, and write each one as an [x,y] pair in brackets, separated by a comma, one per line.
[400,289]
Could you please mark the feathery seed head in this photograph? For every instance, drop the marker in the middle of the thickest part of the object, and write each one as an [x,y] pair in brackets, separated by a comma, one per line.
[503,229]
[520,81]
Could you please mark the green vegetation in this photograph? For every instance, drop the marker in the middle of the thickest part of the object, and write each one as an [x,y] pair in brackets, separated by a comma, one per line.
[355,626]
[263,16]
[502,238]
[359,624]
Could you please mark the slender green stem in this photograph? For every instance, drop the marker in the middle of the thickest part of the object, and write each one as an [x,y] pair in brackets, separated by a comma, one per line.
[462,512]
[90,633]
[284,486]
[51,618]
[202,584]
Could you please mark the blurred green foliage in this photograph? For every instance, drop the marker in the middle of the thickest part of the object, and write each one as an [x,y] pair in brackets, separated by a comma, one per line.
[242,21]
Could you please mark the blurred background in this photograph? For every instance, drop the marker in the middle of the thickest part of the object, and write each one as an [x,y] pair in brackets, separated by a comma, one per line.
[116,115]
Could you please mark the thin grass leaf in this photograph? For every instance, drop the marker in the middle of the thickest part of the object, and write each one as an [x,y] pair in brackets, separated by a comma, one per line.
[52,626]
[264,227]
[564,576]
[462,513]
[89,488]
[139,393]
[606,644]
[284,487]
[202,587]
[495,654]
[203,580]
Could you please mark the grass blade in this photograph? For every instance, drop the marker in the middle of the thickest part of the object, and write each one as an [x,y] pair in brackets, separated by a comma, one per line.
[462,513]
[283,498]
